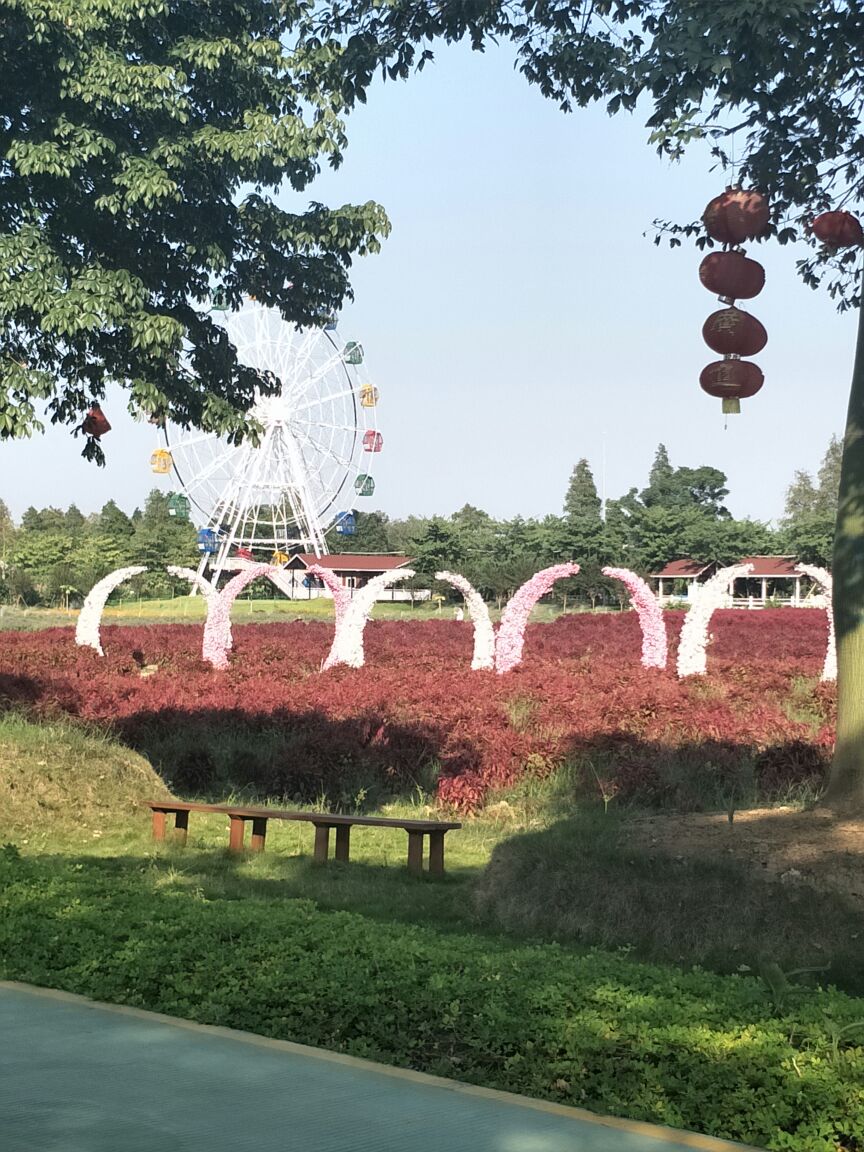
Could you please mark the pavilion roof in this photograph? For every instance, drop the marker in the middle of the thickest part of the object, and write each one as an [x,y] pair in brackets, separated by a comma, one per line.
[683,569]
[773,566]
[351,561]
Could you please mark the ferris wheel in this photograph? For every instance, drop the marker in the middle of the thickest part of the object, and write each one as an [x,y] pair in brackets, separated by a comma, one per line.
[314,458]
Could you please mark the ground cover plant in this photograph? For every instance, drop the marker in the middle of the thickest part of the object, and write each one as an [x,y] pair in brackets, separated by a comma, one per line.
[729,1056]
[758,727]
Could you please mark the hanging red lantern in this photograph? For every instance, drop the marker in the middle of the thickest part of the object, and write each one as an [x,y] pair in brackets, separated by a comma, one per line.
[732,381]
[737,215]
[731,275]
[730,331]
[95,423]
[838,229]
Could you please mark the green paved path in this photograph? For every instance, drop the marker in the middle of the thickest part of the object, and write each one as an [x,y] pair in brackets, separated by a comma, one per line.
[82,1077]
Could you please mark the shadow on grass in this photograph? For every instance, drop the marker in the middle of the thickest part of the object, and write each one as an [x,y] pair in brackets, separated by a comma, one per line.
[386,893]
[355,763]
[688,776]
[582,882]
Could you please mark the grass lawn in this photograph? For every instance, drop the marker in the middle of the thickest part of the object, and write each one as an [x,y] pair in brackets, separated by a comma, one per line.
[365,959]
[180,609]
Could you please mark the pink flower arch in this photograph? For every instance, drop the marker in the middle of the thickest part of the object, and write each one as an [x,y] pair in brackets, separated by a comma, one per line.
[217,628]
[341,594]
[647,606]
[514,618]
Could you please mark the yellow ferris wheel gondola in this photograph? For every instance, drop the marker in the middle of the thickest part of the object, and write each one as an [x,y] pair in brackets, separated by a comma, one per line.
[160,462]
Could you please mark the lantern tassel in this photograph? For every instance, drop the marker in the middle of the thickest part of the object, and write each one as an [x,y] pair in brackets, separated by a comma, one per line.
[731,406]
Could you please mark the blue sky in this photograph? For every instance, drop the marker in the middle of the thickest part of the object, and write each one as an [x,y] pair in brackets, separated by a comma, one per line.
[519,318]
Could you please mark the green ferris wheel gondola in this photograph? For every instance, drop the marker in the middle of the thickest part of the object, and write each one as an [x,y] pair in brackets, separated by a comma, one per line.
[364,485]
[219,301]
[178,506]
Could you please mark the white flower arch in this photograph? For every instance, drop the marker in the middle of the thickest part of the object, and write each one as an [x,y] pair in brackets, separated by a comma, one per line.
[484,632]
[90,617]
[348,642]
[693,643]
[823,578]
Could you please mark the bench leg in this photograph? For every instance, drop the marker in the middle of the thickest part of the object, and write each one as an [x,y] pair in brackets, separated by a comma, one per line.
[436,853]
[158,825]
[322,843]
[235,837]
[415,853]
[259,834]
[343,839]
[181,827]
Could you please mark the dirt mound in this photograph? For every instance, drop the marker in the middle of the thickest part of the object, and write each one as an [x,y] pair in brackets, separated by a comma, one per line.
[57,780]
[812,848]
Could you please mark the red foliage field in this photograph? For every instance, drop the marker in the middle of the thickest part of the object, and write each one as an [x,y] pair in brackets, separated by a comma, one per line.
[758,725]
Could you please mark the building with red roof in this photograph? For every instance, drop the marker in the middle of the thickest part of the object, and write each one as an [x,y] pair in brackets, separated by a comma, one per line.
[354,569]
[774,578]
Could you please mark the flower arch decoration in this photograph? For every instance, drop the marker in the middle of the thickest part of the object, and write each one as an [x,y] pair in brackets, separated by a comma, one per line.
[823,578]
[341,594]
[347,645]
[650,613]
[484,632]
[511,633]
[90,617]
[217,628]
[693,643]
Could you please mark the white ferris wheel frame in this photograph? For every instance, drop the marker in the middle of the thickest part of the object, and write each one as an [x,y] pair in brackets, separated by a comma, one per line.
[290,490]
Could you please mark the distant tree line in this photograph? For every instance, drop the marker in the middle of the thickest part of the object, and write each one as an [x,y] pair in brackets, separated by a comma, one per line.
[53,557]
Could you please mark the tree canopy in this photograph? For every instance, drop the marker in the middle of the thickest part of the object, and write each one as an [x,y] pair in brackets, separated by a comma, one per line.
[581,501]
[140,144]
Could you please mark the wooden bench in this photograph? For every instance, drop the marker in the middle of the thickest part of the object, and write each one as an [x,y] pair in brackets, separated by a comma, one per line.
[417,830]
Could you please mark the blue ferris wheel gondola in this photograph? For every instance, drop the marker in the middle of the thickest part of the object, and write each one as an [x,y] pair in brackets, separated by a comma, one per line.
[346,524]
[207,541]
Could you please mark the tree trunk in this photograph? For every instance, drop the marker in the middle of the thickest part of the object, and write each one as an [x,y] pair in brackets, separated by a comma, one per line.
[845,792]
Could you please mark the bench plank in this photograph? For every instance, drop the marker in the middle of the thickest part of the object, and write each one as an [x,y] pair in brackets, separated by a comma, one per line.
[332,819]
